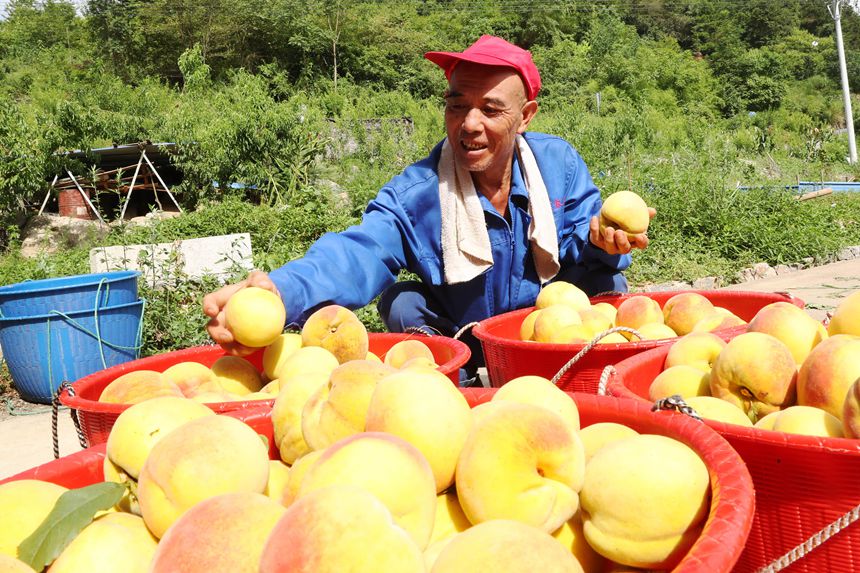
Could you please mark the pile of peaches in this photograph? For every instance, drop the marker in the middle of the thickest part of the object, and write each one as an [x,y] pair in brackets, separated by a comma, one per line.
[383,467]
[565,315]
[787,372]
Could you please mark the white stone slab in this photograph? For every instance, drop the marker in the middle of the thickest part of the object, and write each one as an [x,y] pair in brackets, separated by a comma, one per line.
[165,263]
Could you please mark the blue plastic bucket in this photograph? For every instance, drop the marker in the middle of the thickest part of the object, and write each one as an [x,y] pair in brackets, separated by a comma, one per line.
[43,351]
[68,294]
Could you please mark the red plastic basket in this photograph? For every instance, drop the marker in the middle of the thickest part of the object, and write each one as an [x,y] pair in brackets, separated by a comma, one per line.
[802,483]
[716,550]
[507,357]
[97,418]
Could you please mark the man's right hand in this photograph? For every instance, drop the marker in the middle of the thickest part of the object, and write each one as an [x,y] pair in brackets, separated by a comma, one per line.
[215,302]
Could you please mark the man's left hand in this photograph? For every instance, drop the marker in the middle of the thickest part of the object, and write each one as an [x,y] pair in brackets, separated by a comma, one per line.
[615,241]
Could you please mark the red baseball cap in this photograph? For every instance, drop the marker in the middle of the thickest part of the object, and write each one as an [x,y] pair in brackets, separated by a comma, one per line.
[493,51]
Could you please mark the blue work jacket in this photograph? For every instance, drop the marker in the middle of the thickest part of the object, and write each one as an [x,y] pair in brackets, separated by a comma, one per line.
[401,229]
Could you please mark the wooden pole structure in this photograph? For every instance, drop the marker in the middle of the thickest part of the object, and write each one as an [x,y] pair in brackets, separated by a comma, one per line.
[48,194]
[131,187]
[160,180]
[84,195]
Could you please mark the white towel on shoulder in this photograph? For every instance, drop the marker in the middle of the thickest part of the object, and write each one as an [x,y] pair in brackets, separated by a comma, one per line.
[466,250]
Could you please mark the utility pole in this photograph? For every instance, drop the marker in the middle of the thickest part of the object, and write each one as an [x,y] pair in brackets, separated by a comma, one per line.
[835,12]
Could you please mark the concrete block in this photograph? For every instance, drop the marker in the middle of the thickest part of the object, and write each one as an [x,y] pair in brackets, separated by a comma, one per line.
[166,263]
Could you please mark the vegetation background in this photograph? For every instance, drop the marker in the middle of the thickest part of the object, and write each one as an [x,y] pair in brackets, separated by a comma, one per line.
[314,104]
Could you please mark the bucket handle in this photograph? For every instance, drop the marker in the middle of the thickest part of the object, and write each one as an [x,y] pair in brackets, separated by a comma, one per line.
[587,348]
[55,409]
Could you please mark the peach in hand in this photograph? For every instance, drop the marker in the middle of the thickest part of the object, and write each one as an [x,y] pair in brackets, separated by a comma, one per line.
[625,210]
[255,316]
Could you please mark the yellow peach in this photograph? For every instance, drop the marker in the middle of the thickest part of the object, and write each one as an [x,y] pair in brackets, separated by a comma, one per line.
[339,528]
[698,349]
[198,460]
[406,350]
[682,311]
[450,520]
[636,311]
[533,461]
[808,421]
[564,293]
[684,380]
[846,318]
[338,330]
[527,328]
[137,386]
[188,375]
[297,473]
[278,351]
[552,319]
[237,375]
[711,408]
[308,359]
[791,325]
[653,520]
[255,316]
[388,467]
[287,413]
[598,435]
[428,411]
[222,533]
[505,546]
[540,391]
[608,310]
[339,408]
[757,373]
[24,505]
[572,537]
[279,476]
[113,542]
[828,372]
[626,211]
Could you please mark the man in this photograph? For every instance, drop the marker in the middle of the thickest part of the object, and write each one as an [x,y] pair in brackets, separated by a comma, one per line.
[487,218]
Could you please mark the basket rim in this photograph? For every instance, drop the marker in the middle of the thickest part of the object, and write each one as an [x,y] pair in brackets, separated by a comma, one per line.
[616,386]
[461,356]
[7,320]
[44,285]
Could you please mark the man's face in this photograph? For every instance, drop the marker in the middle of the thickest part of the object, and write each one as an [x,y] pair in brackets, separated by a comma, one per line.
[486,107]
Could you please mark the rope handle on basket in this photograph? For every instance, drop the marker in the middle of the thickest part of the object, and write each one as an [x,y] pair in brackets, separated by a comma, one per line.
[813,542]
[604,379]
[609,293]
[55,410]
[675,402]
[464,330]
[587,348]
